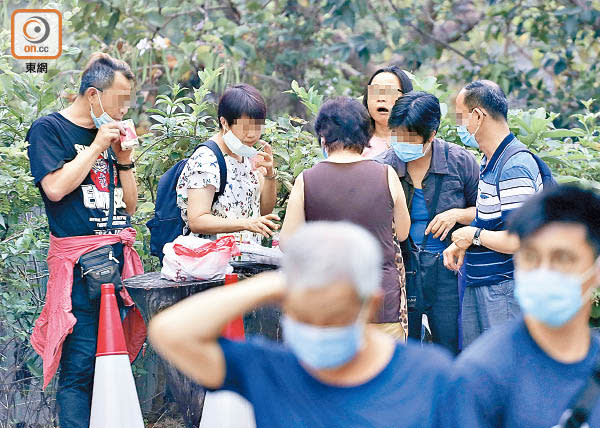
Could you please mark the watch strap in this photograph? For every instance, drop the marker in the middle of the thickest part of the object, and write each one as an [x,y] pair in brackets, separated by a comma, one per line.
[125,167]
[476,238]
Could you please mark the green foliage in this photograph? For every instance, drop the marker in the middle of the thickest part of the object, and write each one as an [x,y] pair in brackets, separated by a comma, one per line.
[310,98]
[23,242]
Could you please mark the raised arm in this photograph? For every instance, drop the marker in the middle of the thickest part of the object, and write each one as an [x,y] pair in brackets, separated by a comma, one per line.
[268,182]
[186,334]
[63,181]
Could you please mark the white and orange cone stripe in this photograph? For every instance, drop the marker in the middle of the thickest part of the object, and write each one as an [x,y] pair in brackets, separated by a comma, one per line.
[115,403]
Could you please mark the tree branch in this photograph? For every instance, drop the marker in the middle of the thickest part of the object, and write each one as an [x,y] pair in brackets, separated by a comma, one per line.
[432,38]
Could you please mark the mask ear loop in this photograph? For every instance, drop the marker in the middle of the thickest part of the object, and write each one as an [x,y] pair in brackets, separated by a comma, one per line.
[100,101]
[428,147]
[479,126]
[225,129]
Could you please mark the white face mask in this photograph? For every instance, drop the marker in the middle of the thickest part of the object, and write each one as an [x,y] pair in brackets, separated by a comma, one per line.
[234,144]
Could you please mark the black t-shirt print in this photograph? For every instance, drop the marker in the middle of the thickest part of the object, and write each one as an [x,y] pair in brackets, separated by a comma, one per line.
[54,141]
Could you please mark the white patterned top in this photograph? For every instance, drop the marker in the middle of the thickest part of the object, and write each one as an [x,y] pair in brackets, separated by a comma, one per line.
[240,199]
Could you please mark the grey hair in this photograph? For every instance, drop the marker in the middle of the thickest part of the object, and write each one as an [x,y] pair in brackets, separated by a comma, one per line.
[323,252]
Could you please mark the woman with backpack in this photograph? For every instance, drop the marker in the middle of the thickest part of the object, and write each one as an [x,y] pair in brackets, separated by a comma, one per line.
[243,206]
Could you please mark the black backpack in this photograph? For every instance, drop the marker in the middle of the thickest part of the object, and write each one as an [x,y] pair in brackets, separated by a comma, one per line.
[167,224]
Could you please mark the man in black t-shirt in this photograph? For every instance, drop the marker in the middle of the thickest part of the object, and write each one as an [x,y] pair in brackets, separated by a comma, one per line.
[71,153]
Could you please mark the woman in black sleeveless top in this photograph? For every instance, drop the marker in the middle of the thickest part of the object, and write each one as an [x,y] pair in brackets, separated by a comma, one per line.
[346,187]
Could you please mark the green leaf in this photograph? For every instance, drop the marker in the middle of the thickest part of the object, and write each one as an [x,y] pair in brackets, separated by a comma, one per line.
[146,207]
[563,133]
[155,110]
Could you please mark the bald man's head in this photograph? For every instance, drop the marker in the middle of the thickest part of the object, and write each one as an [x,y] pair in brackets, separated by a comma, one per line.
[487,95]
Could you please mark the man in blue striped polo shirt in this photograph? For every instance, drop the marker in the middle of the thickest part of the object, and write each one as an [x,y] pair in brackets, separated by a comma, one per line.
[486,247]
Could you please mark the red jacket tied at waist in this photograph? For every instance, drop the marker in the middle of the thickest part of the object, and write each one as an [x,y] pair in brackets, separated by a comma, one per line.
[56,320]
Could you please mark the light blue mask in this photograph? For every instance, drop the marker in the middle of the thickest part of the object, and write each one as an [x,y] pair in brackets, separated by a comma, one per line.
[550,296]
[409,152]
[104,117]
[322,347]
[466,137]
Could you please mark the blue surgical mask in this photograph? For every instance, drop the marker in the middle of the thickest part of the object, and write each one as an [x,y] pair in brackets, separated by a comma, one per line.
[104,117]
[408,152]
[322,347]
[466,137]
[237,147]
[550,296]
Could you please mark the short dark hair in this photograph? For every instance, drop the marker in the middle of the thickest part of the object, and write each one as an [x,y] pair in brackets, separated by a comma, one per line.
[405,83]
[489,95]
[241,100]
[100,72]
[417,112]
[562,204]
[344,122]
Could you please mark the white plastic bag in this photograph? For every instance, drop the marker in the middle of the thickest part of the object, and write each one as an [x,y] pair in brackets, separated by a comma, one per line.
[259,254]
[192,258]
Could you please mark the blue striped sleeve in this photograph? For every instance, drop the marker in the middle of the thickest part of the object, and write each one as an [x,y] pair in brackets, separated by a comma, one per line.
[519,180]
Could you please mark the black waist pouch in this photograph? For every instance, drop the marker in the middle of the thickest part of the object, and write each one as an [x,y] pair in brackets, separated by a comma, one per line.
[100,267]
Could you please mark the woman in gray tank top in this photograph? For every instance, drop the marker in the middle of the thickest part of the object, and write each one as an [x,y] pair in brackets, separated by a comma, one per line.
[346,187]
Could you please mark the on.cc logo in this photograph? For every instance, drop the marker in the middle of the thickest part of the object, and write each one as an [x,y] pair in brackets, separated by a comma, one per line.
[36,29]
[36,34]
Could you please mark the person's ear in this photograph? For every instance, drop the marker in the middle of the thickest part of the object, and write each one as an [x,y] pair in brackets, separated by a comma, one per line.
[433,134]
[322,140]
[224,124]
[480,115]
[373,305]
[91,94]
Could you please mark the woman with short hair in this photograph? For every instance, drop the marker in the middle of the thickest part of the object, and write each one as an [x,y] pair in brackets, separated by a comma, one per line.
[244,208]
[440,184]
[346,187]
[385,86]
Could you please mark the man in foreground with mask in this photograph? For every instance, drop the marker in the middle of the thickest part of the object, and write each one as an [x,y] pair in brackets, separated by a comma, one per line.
[507,179]
[88,186]
[336,371]
[530,371]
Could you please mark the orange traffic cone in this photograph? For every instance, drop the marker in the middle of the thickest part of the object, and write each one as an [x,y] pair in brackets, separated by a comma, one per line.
[234,330]
[115,402]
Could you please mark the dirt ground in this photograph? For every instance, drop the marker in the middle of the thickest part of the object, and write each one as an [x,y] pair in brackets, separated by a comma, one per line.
[166,422]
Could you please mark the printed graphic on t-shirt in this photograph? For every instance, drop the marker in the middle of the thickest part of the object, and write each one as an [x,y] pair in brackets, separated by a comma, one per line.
[97,195]
[100,174]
